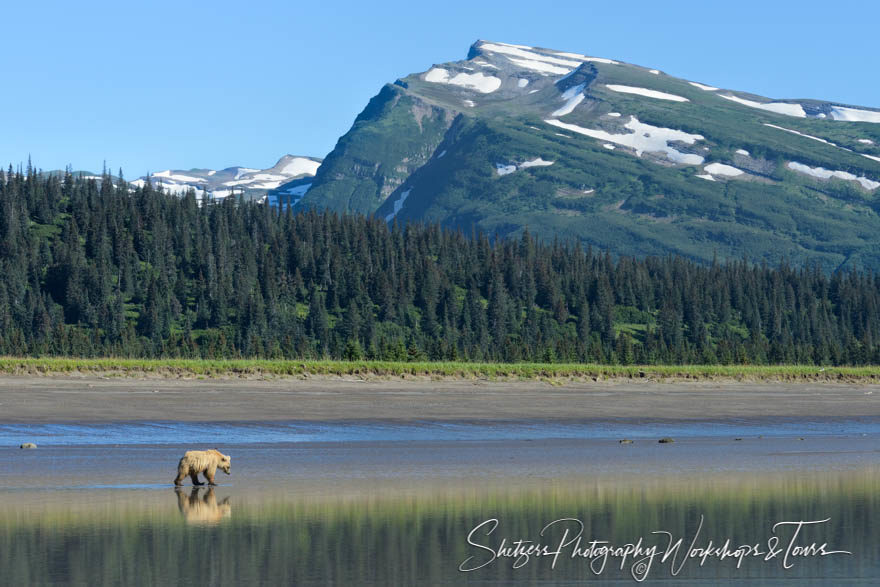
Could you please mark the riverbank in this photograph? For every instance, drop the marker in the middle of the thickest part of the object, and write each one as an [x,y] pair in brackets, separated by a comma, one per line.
[96,399]
[551,372]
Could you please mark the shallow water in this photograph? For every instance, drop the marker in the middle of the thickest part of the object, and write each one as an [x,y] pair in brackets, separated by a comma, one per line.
[394,502]
[168,432]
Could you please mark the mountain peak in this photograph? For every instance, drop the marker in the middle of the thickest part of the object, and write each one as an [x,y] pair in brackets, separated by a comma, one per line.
[615,155]
[535,58]
[246,181]
[295,166]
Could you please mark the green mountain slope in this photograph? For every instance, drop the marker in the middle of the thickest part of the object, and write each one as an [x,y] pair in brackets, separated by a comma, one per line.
[614,155]
[391,138]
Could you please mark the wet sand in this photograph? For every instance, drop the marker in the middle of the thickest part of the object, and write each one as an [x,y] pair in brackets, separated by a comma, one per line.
[446,433]
[41,399]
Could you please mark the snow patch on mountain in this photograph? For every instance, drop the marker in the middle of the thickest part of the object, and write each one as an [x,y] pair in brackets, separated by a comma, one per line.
[264,181]
[485,84]
[580,57]
[536,163]
[572,96]
[549,62]
[800,134]
[703,87]
[178,177]
[507,169]
[529,54]
[299,166]
[854,115]
[169,185]
[522,82]
[743,152]
[259,181]
[240,171]
[795,110]
[646,92]
[822,173]
[512,45]
[503,169]
[539,66]
[644,138]
[723,170]
[398,205]
[866,141]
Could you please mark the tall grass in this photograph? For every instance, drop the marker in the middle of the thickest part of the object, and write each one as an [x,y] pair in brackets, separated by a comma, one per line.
[439,369]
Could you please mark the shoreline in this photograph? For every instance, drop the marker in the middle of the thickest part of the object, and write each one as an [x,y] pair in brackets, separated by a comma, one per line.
[554,373]
[26,399]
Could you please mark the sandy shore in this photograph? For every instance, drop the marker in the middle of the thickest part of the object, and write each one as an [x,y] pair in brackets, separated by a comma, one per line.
[39,399]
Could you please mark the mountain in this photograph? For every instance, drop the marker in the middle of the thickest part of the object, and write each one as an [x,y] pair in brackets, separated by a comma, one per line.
[614,155]
[251,183]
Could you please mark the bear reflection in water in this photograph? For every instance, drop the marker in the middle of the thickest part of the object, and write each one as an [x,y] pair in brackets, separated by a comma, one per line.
[204,510]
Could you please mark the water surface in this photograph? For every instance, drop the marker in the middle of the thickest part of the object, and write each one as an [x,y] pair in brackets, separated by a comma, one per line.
[395,502]
[238,432]
[225,536]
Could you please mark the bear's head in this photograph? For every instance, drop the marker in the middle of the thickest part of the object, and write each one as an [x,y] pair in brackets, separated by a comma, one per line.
[225,464]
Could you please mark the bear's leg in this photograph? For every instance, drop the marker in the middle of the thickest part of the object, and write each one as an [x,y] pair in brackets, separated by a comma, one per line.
[209,474]
[195,478]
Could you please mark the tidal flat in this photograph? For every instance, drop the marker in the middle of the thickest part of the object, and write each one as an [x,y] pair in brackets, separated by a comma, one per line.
[382,483]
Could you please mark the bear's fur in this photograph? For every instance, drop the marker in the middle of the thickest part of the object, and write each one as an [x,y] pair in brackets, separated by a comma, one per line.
[202,461]
[205,511]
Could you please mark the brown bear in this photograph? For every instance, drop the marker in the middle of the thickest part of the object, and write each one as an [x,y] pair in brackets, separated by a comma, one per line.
[205,511]
[202,461]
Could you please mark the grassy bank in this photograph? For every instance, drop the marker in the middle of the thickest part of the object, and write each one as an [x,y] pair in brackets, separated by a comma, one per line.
[194,368]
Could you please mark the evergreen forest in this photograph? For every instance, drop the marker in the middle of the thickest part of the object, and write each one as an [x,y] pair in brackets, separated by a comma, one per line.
[98,268]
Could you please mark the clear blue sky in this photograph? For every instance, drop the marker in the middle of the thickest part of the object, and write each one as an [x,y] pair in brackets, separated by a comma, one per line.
[153,85]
